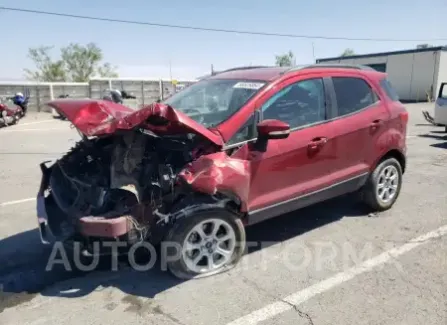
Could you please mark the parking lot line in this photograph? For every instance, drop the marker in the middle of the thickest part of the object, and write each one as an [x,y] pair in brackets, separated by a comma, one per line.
[36,122]
[17,201]
[44,129]
[301,296]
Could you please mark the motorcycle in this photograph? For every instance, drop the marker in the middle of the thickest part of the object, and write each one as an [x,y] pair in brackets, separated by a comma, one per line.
[24,106]
[9,116]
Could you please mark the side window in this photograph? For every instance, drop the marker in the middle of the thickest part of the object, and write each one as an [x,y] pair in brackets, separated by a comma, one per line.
[299,104]
[389,90]
[353,94]
[245,133]
[443,91]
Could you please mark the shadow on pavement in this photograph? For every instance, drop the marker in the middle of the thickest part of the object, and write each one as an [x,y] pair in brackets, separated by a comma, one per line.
[423,124]
[434,135]
[23,259]
[442,145]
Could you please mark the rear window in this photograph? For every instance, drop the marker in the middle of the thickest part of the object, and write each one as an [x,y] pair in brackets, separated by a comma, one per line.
[391,93]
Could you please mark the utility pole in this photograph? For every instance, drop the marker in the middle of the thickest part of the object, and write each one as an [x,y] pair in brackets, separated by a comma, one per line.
[170,70]
[313,51]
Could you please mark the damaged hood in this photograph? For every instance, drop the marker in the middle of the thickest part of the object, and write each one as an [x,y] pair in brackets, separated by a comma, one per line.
[99,117]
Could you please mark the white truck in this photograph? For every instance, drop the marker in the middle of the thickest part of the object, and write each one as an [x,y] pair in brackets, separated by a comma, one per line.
[440,116]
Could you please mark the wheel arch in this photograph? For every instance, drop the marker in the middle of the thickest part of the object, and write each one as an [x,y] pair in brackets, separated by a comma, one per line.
[394,153]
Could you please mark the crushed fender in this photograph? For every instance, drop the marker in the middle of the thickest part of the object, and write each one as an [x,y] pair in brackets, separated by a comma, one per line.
[220,173]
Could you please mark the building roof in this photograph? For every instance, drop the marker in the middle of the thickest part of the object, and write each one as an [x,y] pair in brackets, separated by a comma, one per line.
[372,55]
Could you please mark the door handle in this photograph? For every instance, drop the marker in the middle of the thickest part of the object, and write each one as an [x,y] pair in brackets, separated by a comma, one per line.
[376,123]
[317,143]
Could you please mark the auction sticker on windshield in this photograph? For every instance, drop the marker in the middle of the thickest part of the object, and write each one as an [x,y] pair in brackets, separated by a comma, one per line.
[249,85]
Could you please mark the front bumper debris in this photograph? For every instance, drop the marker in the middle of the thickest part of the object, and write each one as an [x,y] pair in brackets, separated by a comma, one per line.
[101,227]
[89,226]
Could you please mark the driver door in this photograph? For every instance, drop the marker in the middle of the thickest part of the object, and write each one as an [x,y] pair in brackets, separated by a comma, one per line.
[299,165]
[441,105]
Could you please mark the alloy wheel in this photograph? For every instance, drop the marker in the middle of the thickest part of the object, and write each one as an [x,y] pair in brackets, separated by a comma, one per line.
[388,184]
[209,246]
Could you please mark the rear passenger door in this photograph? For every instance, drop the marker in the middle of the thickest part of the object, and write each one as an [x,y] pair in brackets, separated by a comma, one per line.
[360,119]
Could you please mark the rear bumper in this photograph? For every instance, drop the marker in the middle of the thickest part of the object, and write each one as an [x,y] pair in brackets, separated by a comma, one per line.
[90,226]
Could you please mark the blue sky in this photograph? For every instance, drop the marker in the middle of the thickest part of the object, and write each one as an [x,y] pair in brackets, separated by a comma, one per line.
[144,51]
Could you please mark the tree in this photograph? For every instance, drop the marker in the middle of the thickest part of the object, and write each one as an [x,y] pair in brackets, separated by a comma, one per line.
[348,52]
[47,69]
[107,71]
[83,62]
[285,60]
[78,63]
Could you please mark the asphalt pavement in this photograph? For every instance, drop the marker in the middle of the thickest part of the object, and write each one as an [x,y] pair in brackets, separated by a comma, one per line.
[333,263]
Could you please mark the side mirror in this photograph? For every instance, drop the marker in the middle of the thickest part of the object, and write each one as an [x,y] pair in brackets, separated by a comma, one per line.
[273,129]
[270,129]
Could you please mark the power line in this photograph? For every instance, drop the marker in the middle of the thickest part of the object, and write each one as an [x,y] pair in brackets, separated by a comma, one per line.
[233,31]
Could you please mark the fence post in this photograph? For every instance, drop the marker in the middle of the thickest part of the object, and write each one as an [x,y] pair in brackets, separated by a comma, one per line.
[160,85]
[51,92]
[142,93]
[38,98]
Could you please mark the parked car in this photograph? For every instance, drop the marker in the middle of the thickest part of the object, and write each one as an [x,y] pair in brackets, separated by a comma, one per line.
[288,138]
[440,116]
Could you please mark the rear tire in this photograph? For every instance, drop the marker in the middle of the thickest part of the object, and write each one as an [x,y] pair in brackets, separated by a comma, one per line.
[383,185]
[208,246]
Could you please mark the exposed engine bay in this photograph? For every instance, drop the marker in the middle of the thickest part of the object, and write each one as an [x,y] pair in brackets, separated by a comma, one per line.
[119,174]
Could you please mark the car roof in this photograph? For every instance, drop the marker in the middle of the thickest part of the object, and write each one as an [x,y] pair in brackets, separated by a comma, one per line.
[252,73]
[271,73]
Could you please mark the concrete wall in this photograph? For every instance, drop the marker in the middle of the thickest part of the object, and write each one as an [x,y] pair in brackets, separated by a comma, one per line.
[146,91]
[399,70]
[412,74]
[424,74]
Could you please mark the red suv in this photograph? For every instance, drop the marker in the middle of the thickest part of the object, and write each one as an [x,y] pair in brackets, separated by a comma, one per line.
[232,150]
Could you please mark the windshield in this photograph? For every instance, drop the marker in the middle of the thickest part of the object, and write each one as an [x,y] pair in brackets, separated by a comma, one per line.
[210,102]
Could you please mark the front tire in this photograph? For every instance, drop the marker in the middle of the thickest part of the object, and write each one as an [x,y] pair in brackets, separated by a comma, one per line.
[383,186]
[207,243]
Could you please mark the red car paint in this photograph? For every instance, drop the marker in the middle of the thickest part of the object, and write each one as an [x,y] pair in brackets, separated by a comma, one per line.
[309,160]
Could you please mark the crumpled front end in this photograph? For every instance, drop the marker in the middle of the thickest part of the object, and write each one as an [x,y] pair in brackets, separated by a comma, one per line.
[107,189]
[98,118]
[56,225]
[131,187]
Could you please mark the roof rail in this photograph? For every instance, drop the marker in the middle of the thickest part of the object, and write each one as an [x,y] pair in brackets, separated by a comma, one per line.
[243,68]
[336,66]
